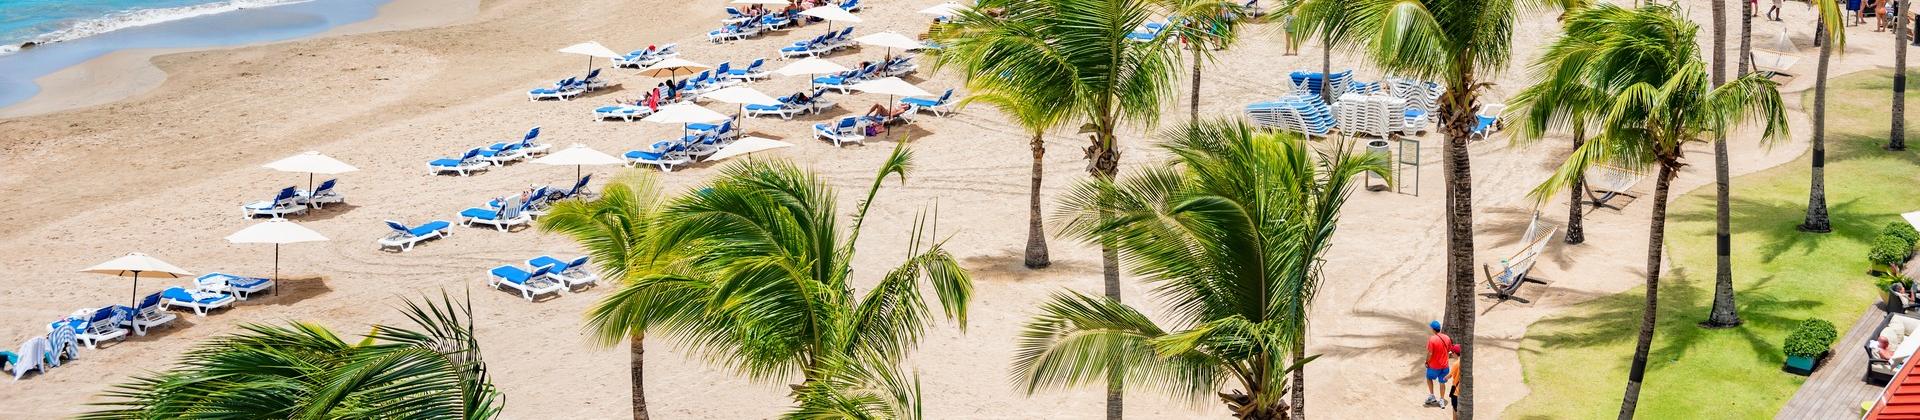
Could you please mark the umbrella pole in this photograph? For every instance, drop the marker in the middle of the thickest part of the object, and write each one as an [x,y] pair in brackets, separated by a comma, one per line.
[133,302]
[276,269]
[576,174]
[309,187]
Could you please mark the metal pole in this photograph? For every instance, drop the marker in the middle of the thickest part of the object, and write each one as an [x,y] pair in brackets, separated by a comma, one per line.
[134,301]
[276,269]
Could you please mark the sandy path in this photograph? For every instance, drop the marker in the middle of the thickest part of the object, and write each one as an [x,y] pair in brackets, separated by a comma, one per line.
[162,173]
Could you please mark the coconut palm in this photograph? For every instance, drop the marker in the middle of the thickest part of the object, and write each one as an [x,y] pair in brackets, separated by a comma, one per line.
[1723,314]
[753,272]
[430,370]
[1036,112]
[1455,43]
[1231,235]
[1323,19]
[1830,33]
[1205,26]
[1662,100]
[615,231]
[1077,51]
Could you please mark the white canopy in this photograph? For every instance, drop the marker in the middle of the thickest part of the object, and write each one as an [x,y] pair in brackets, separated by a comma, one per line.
[578,154]
[890,40]
[591,49]
[810,66]
[747,145]
[310,162]
[673,67]
[683,113]
[137,263]
[741,95]
[943,9]
[276,231]
[891,86]
[831,13]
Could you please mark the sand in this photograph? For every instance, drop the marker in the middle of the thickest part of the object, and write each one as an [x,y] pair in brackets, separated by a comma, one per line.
[163,170]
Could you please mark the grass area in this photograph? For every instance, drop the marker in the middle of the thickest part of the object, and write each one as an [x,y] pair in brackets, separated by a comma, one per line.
[1576,363]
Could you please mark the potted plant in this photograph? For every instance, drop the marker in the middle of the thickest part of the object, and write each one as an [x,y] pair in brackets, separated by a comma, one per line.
[1808,344]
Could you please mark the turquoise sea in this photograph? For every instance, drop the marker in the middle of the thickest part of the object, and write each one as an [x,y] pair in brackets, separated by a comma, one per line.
[68,32]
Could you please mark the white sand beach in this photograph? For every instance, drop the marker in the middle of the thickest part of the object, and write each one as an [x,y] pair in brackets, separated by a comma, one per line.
[159,161]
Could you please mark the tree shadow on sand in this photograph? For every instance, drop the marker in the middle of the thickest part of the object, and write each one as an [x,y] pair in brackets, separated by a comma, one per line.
[1615,320]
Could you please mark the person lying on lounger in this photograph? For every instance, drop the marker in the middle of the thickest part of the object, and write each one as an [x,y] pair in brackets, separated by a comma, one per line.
[882,115]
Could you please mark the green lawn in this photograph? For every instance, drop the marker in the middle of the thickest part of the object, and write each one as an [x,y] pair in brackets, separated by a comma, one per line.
[1576,363]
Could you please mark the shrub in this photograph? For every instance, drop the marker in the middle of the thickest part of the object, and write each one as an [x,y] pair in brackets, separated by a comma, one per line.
[1903,231]
[1812,338]
[1889,250]
[1885,280]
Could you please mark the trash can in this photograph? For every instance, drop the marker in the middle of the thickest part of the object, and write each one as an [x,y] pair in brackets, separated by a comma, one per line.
[1378,148]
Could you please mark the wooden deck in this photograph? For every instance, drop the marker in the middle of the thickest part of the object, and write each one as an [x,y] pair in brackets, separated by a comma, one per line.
[1836,390]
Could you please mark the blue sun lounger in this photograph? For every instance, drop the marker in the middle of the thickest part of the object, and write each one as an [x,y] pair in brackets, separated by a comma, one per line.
[175,297]
[529,284]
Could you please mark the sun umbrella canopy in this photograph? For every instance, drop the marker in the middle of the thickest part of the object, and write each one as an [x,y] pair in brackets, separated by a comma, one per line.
[747,145]
[310,162]
[578,154]
[741,95]
[890,40]
[683,113]
[831,13]
[944,9]
[673,67]
[890,86]
[591,48]
[811,66]
[136,262]
[276,231]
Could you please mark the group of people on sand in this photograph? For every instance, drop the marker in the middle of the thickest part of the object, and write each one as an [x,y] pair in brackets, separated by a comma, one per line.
[1443,369]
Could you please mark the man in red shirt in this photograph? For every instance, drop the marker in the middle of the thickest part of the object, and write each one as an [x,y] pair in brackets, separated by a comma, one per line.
[1438,345]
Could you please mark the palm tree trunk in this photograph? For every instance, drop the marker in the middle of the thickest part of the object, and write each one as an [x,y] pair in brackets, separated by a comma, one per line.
[1036,233]
[1817,195]
[1897,139]
[636,369]
[1194,104]
[1723,313]
[1655,239]
[1456,112]
[1577,193]
[1103,162]
[1326,70]
[1299,390]
[1746,39]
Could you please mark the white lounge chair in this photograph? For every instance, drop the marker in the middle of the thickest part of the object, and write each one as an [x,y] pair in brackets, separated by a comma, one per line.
[562,90]
[846,130]
[754,71]
[403,238]
[92,327]
[148,315]
[938,106]
[465,165]
[504,218]
[282,204]
[624,112]
[200,302]
[529,284]
[324,194]
[239,286]
[571,273]
[664,154]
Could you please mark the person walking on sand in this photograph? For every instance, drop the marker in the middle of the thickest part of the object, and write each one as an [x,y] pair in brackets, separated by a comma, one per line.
[1453,379]
[1438,345]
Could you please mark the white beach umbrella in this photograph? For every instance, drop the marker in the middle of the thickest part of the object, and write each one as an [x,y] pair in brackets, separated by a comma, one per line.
[673,67]
[747,145]
[741,96]
[683,114]
[133,265]
[578,155]
[311,162]
[943,9]
[591,49]
[277,232]
[831,14]
[811,66]
[890,40]
[891,86]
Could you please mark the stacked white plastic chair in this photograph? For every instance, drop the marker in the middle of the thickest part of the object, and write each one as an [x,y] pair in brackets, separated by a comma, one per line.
[1422,97]
[1373,115]
[1300,113]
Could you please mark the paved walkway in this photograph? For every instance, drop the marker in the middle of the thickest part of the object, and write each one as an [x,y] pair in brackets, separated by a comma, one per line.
[1836,390]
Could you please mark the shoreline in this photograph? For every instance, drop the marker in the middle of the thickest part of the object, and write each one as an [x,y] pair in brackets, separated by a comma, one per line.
[127,73]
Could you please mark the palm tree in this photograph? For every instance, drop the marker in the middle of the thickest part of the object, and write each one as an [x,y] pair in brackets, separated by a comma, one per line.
[1663,99]
[1036,113]
[752,271]
[1076,51]
[1455,43]
[432,370]
[1897,139]
[1323,19]
[615,231]
[1723,314]
[1230,234]
[1205,25]
[1830,34]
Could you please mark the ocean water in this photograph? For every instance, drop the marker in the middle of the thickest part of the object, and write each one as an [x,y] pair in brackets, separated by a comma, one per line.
[69,32]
